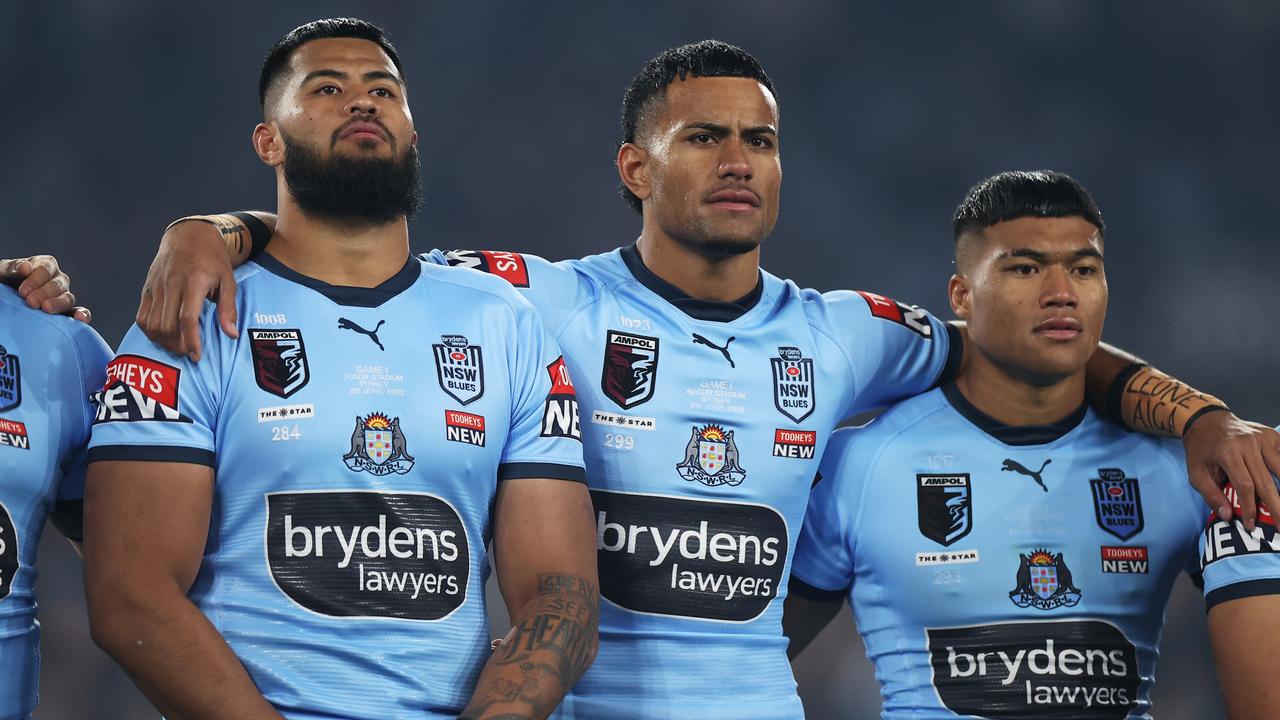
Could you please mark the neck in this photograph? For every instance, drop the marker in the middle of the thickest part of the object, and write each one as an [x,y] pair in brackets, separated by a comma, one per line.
[704,277]
[1015,401]
[335,252]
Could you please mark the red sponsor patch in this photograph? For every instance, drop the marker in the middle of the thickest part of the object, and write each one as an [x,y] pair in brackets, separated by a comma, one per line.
[507,265]
[882,307]
[14,434]
[1264,515]
[561,384]
[795,437]
[1120,552]
[13,427]
[152,379]
[454,418]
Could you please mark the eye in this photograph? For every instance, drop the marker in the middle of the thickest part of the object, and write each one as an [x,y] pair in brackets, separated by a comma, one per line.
[328,90]
[760,142]
[382,93]
[1023,269]
[702,139]
[1086,270]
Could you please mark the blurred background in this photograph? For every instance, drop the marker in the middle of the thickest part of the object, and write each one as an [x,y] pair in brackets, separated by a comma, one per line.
[129,113]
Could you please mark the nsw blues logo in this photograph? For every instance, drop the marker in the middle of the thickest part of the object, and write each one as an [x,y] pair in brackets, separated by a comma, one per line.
[10,381]
[1117,503]
[459,368]
[944,504]
[711,457]
[1044,582]
[793,383]
[378,446]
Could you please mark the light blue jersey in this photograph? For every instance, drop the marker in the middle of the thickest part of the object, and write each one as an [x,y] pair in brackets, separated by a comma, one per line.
[1012,572]
[49,366]
[702,426]
[357,436]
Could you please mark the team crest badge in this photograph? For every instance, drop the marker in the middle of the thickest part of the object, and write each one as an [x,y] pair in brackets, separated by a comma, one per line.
[459,368]
[1117,503]
[1044,582]
[10,380]
[711,457]
[378,446]
[279,360]
[793,383]
[944,504]
[630,368]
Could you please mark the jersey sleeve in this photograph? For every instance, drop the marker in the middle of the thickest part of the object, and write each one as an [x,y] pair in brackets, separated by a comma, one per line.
[822,567]
[556,290]
[81,376]
[545,440]
[1235,563]
[159,407]
[894,350]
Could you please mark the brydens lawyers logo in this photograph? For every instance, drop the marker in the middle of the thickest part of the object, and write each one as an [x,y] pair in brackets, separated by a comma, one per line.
[10,380]
[793,383]
[139,388]
[507,265]
[560,415]
[630,368]
[1044,582]
[378,446]
[1117,503]
[944,506]
[14,434]
[279,360]
[711,457]
[459,368]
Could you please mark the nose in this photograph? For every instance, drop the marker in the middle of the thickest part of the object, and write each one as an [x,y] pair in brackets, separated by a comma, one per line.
[734,162]
[362,104]
[1056,289]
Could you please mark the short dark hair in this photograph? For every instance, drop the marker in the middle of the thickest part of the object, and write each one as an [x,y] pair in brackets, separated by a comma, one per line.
[278,57]
[1024,193]
[706,58]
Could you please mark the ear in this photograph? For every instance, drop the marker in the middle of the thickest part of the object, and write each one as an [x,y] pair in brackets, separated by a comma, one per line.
[633,169]
[960,294]
[268,145]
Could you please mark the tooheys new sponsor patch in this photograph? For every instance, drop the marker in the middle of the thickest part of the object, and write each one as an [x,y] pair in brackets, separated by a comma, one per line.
[1079,669]
[14,434]
[8,552]
[1230,539]
[368,554]
[139,388]
[560,414]
[689,558]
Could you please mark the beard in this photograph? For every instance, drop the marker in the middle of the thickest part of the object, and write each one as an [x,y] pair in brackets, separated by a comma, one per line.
[360,190]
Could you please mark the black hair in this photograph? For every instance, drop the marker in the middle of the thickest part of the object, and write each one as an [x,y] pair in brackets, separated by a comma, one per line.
[278,57]
[707,58]
[1024,193]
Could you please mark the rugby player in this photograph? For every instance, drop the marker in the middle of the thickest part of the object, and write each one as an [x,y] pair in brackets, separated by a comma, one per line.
[1006,551]
[297,526]
[49,366]
[713,388]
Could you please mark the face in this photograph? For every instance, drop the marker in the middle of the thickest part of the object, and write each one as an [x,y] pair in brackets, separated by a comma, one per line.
[1034,294]
[708,166]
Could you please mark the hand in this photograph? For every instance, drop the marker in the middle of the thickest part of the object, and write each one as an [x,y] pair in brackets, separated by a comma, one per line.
[43,286]
[1247,454]
[192,265]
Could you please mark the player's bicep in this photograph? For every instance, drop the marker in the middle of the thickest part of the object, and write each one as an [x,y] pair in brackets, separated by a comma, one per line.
[541,526]
[1245,634]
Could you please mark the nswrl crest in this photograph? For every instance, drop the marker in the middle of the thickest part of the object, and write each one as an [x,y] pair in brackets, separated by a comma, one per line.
[10,380]
[378,446]
[793,383]
[711,457]
[459,368]
[1117,503]
[944,506]
[1044,582]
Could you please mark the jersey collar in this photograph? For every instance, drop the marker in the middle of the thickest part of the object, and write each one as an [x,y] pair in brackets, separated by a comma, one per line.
[1013,434]
[713,310]
[342,294]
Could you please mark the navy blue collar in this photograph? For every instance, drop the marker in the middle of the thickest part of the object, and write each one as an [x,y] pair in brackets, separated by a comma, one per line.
[1013,434]
[713,310]
[342,294]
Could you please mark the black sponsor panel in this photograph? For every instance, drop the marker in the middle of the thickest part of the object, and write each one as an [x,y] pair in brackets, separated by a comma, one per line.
[8,552]
[368,554]
[1078,669]
[1226,540]
[688,558]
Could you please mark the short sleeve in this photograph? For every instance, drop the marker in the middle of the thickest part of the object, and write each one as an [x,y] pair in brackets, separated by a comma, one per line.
[545,440]
[82,379]
[823,559]
[1236,564]
[556,290]
[159,407]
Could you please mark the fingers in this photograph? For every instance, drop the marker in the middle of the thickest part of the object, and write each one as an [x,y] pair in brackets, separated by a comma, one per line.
[36,277]
[14,270]
[1206,484]
[189,321]
[1271,456]
[1242,481]
[83,314]
[226,300]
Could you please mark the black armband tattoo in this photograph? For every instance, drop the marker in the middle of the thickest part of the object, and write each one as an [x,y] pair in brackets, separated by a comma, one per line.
[259,233]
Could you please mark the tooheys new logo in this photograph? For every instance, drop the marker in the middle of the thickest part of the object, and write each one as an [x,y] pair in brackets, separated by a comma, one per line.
[8,552]
[560,415]
[1079,669]
[139,388]
[368,554]
[689,558]
[1223,540]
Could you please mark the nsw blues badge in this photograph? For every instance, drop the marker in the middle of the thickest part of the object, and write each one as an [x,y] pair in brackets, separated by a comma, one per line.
[459,368]
[10,380]
[793,383]
[1117,503]
[944,506]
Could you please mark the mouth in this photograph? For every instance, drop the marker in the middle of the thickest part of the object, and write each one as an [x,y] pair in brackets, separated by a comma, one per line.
[1060,328]
[734,200]
[362,130]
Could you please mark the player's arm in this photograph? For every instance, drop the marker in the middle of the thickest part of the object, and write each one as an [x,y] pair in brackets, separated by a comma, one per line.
[805,613]
[1245,634]
[43,285]
[145,529]
[544,548]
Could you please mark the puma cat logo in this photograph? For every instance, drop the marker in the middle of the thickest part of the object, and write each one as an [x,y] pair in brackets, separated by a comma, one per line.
[699,340]
[345,324]
[1015,466]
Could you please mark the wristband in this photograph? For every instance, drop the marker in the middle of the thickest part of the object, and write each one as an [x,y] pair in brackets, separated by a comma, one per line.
[259,233]
[1201,413]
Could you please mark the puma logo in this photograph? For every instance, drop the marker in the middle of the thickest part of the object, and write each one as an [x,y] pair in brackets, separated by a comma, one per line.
[345,324]
[1015,466]
[699,340]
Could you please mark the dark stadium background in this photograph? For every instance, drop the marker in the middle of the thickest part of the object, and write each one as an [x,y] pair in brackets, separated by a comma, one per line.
[124,114]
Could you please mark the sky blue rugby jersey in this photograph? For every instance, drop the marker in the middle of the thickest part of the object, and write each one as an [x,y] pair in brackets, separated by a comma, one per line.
[1012,572]
[49,366]
[702,427]
[358,436]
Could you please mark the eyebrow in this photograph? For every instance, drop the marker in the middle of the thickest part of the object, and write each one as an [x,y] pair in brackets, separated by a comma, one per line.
[724,129]
[1041,257]
[339,75]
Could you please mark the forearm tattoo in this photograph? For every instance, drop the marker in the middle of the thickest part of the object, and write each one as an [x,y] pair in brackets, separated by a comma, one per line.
[550,645]
[1161,405]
